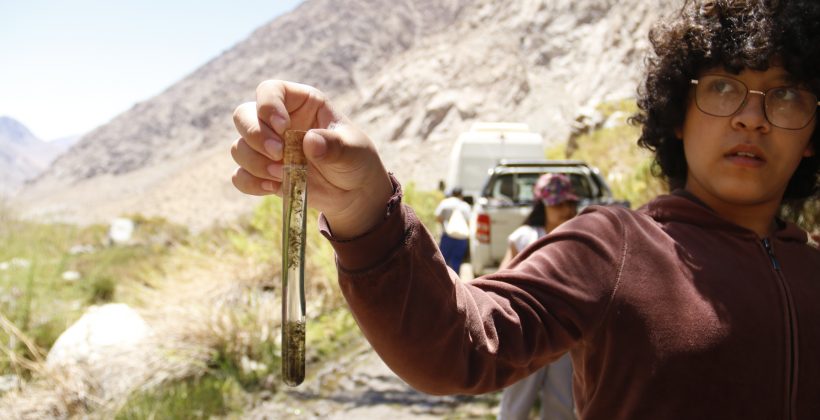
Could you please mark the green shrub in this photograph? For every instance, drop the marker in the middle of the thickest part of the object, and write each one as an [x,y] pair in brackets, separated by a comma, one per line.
[423,203]
[32,297]
[329,333]
[39,301]
[197,398]
[262,241]
[157,231]
[101,289]
[613,150]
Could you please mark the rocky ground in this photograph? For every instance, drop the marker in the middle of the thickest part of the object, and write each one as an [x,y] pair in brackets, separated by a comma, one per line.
[360,386]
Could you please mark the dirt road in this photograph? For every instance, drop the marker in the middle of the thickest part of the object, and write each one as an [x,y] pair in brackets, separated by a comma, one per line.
[360,386]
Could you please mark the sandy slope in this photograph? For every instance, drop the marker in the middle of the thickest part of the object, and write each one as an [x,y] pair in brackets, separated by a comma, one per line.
[194,191]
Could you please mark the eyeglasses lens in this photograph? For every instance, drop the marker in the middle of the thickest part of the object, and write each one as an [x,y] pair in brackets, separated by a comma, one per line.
[786,107]
[790,107]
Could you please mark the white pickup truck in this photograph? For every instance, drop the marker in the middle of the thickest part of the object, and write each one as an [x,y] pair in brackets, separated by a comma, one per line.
[507,199]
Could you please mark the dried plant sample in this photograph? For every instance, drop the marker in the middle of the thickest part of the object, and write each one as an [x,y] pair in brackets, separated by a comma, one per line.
[294,200]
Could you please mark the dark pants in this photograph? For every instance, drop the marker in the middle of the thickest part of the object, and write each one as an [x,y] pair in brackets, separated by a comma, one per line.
[453,251]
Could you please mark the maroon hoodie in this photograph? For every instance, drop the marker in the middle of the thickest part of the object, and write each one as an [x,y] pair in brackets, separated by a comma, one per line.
[669,312]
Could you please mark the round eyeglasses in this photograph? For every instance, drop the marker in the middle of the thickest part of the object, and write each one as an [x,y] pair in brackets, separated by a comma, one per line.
[785,106]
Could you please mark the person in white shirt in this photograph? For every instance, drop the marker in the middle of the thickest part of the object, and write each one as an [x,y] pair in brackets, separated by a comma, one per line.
[453,244]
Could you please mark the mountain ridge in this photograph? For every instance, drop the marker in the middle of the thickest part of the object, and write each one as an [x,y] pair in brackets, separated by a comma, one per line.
[412,74]
[23,155]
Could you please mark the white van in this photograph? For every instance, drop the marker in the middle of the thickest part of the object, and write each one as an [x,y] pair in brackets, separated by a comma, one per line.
[477,151]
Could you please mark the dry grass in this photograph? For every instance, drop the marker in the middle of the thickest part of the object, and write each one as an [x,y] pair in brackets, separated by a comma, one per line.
[212,304]
[208,305]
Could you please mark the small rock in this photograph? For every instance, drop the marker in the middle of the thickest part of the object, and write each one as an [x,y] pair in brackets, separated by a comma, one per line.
[121,230]
[71,276]
[250,366]
[81,249]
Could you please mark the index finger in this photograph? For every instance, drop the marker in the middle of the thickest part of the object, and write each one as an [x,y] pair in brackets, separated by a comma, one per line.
[258,135]
[283,105]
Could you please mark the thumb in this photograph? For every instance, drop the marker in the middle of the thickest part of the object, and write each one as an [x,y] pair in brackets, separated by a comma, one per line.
[321,145]
[325,147]
[344,156]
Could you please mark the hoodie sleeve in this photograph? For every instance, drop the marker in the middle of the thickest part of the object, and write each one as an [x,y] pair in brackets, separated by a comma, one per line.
[447,336]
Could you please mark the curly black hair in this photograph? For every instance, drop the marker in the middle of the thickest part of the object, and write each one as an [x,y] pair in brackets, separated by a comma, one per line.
[738,35]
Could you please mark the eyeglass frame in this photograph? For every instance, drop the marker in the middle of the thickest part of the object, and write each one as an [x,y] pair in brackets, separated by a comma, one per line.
[695,82]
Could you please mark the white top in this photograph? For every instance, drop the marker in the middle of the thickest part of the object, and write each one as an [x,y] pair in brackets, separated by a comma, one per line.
[446,207]
[524,236]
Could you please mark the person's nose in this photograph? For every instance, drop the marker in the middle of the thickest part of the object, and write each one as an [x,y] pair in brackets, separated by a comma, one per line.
[752,114]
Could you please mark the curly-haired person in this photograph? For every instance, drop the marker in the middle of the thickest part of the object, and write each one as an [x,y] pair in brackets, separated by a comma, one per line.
[701,304]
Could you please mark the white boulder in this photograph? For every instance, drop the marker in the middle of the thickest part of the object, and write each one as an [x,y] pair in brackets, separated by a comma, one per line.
[109,346]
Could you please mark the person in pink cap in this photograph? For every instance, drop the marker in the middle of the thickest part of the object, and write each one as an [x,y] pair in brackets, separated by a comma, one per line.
[555,202]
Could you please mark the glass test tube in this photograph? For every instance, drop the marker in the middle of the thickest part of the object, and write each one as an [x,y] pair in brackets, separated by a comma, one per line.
[294,200]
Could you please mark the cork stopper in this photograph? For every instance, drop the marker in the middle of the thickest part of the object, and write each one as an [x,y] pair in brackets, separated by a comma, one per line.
[294,154]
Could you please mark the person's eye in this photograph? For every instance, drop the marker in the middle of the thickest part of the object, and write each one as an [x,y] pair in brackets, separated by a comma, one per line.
[724,87]
[786,94]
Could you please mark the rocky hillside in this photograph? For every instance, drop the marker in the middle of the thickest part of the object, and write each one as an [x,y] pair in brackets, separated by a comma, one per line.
[413,73]
[23,155]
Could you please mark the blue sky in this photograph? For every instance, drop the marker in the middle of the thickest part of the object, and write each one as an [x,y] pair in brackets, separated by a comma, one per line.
[69,66]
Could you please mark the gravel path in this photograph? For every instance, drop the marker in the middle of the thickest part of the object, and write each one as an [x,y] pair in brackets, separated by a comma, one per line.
[360,386]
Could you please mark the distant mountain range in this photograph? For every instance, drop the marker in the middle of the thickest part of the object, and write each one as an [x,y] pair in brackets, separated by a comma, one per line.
[411,73]
[23,156]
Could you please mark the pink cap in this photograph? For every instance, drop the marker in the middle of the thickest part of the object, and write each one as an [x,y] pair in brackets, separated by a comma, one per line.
[554,189]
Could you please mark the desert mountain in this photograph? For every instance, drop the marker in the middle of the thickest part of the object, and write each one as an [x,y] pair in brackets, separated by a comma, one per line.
[412,73]
[23,155]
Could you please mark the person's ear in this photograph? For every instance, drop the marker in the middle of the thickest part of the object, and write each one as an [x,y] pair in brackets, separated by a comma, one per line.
[679,133]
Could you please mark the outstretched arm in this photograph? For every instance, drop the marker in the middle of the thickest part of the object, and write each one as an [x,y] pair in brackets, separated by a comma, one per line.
[438,333]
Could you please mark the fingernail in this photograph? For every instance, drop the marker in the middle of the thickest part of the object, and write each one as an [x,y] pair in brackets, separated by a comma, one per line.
[267,186]
[279,124]
[275,170]
[274,148]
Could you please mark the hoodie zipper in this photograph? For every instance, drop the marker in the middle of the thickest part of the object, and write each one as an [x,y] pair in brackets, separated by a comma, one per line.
[791,342]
